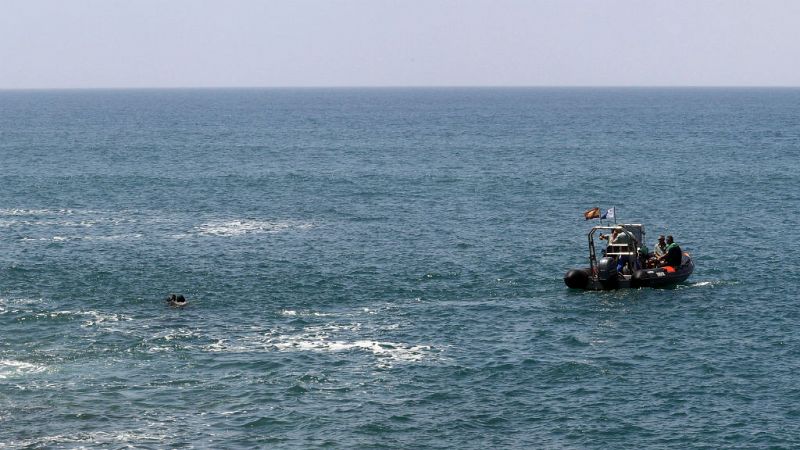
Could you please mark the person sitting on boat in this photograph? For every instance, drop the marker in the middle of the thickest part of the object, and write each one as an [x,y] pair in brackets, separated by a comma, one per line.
[674,254]
[659,251]
[661,248]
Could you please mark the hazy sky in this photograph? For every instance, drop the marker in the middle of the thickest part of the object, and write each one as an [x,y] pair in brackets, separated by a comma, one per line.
[170,43]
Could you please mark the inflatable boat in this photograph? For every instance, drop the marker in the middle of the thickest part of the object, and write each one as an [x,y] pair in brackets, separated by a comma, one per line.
[624,263]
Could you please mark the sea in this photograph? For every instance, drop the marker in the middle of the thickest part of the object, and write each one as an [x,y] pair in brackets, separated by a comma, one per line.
[383,268]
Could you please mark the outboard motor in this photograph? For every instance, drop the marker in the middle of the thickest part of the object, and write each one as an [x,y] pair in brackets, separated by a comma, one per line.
[607,272]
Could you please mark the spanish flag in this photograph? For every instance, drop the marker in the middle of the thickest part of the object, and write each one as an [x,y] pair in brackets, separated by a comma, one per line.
[593,213]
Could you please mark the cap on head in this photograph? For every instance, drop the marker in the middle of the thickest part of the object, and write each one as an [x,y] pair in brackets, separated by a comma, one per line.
[660,237]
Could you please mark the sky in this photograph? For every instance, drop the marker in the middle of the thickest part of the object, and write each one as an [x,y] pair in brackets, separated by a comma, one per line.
[321,43]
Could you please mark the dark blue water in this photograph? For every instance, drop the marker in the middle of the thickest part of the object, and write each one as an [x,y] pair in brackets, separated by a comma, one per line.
[382,268]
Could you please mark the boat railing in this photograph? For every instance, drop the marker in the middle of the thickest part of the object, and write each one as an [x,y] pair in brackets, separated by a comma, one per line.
[617,250]
[621,250]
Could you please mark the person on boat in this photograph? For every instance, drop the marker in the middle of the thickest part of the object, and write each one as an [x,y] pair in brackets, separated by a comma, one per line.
[661,247]
[619,242]
[674,254]
[611,239]
[617,237]
[659,251]
[622,238]
[643,256]
[627,245]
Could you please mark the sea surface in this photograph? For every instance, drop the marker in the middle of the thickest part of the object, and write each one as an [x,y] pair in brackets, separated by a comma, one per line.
[382,268]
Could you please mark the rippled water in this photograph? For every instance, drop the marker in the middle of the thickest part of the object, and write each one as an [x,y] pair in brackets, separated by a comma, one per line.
[382,268]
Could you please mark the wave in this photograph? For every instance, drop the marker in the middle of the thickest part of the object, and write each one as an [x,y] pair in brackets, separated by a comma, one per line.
[241,227]
[171,340]
[10,368]
[93,318]
[67,225]
[321,339]
[59,238]
[33,309]
[123,439]
[19,305]
[61,225]
[387,352]
[35,212]
[392,350]
[8,223]
[293,313]
[707,283]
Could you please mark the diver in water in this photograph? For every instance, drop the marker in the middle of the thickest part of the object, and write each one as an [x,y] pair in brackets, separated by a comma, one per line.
[176,300]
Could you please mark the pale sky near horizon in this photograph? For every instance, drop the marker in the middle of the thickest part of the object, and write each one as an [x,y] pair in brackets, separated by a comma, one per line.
[249,43]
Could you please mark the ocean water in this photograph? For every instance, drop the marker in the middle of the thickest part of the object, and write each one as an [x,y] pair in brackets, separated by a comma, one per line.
[382,268]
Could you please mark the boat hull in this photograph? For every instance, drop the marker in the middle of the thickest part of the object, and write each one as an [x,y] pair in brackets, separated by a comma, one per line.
[655,278]
[663,277]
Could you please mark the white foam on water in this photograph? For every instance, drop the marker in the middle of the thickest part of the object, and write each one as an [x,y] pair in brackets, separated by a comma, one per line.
[89,318]
[10,368]
[394,351]
[239,227]
[240,345]
[294,313]
[218,346]
[25,301]
[386,352]
[178,334]
[327,329]
[50,239]
[34,212]
[17,305]
[319,339]
[94,318]
[121,438]
[60,238]
[163,342]
[67,222]
[713,283]
[116,237]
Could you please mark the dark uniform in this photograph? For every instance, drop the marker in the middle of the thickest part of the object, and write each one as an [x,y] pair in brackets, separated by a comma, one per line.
[674,255]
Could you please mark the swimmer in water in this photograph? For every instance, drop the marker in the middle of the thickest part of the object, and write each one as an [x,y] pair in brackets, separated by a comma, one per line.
[176,300]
